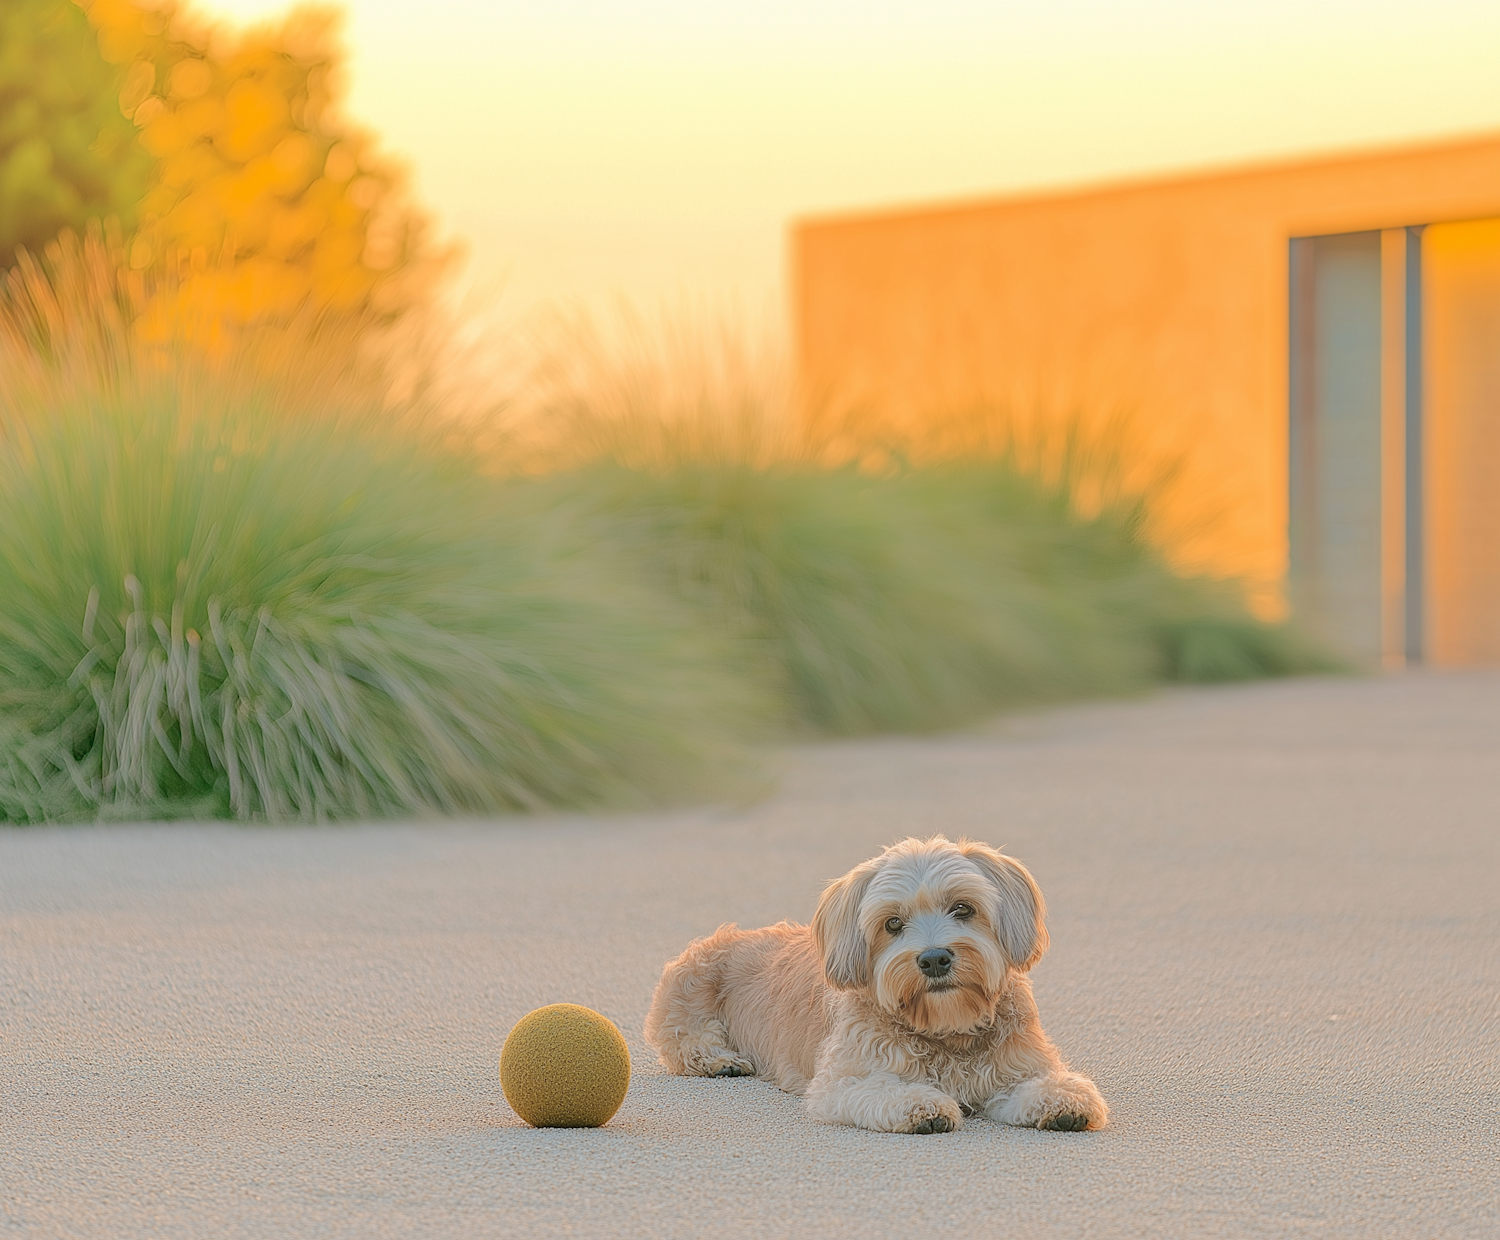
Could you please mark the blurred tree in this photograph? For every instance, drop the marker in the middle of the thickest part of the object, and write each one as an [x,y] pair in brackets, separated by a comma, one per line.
[67,151]
[261,198]
[240,195]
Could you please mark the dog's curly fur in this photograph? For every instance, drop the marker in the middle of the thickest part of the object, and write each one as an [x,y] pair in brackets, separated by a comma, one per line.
[842,1013]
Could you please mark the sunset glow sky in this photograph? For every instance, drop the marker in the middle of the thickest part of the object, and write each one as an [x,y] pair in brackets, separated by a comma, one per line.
[656,149]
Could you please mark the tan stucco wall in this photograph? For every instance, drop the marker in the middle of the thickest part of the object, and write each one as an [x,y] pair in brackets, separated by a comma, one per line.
[1462,263]
[1165,299]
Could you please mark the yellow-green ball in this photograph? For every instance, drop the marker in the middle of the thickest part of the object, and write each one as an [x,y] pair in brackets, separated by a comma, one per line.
[564,1066]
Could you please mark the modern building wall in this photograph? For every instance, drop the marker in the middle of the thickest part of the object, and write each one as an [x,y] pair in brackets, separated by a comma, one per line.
[1461,266]
[1168,301]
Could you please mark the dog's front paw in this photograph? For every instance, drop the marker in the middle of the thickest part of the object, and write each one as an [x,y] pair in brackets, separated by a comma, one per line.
[727,1065]
[1072,1105]
[737,1067]
[1064,1102]
[939,1115]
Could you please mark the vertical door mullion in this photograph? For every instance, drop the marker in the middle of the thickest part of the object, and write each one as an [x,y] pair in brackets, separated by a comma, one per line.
[1416,610]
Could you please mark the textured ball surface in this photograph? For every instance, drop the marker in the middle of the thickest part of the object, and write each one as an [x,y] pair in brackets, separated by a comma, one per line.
[564,1066]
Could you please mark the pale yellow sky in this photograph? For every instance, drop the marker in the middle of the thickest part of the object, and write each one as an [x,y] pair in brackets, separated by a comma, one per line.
[655,149]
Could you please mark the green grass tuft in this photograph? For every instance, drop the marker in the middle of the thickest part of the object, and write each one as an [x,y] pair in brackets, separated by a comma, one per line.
[1222,646]
[924,598]
[223,613]
[832,596]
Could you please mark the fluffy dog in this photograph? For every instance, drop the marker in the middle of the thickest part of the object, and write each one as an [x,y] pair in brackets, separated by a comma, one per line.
[904,1006]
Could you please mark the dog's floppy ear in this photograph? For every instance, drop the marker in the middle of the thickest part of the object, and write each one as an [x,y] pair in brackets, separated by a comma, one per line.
[1019,913]
[836,929]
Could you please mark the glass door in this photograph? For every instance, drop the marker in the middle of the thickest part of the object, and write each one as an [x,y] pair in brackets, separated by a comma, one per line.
[1336,514]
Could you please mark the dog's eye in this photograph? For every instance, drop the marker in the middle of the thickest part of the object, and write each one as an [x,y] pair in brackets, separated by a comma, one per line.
[962,911]
[893,925]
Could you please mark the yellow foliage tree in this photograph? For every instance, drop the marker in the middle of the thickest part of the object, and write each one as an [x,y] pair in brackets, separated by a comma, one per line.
[265,201]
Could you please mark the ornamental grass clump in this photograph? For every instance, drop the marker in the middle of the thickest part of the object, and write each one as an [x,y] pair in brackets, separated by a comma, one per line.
[213,610]
[839,595]
[923,598]
[880,582]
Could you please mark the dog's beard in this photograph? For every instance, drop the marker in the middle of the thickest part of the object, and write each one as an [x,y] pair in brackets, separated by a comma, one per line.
[962,1002]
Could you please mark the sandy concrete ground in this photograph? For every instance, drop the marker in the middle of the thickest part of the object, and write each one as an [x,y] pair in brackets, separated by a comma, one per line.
[1276,946]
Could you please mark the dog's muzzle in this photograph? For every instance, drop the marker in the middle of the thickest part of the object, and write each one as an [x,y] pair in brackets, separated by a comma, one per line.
[935,962]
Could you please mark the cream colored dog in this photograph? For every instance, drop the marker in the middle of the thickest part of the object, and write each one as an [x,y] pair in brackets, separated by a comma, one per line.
[904,1006]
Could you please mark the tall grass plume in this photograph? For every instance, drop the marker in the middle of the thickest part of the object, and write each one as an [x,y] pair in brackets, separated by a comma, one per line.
[884,580]
[215,601]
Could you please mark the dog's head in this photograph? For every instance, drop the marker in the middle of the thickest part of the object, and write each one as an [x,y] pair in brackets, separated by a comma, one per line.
[932,928]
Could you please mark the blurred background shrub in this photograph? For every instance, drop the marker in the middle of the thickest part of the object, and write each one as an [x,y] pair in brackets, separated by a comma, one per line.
[878,582]
[218,613]
[926,597]
[224,598]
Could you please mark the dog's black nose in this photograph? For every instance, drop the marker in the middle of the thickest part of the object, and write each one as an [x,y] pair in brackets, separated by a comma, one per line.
[935,962]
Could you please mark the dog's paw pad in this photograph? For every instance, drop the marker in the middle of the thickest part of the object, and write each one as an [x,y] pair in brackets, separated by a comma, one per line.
[734,1069]
[1065,1122]
[937,1123]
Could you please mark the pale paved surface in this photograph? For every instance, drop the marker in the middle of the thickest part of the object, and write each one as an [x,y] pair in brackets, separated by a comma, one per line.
[1276,938]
